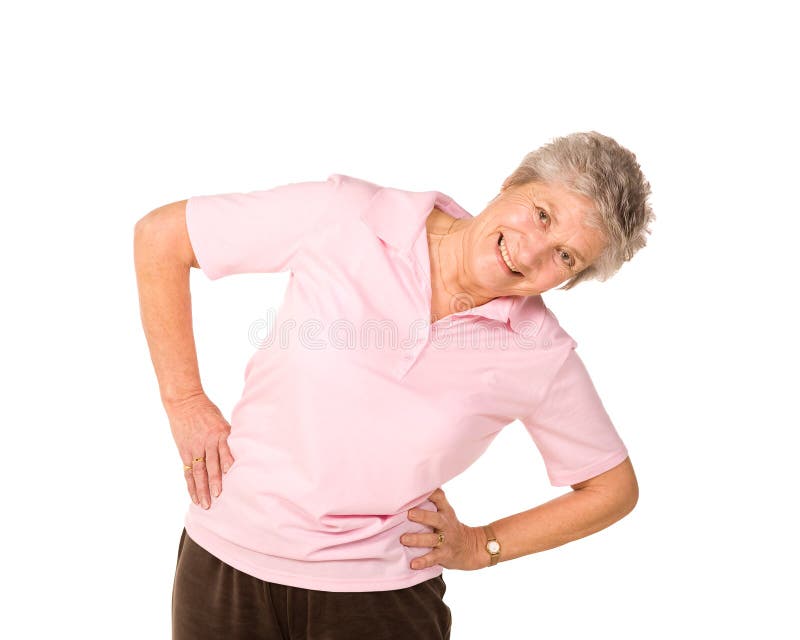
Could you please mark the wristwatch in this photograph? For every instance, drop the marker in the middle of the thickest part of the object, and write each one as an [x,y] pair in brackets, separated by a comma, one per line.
[492,545]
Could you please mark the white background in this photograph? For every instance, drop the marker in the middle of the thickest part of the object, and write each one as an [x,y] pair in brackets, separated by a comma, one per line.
[112,109]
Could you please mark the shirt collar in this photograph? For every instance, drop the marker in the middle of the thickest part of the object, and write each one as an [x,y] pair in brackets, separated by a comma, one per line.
[398,218]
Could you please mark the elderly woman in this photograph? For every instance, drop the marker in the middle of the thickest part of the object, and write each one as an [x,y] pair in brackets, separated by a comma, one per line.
[410,334]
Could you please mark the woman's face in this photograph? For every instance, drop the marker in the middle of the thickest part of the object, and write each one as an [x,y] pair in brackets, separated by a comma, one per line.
[542,236]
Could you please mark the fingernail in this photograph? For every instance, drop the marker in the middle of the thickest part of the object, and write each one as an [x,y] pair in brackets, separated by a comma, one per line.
[215,491]
[225,467]
[205,503]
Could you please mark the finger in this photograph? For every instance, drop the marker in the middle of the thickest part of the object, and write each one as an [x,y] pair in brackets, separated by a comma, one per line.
[225,455]
[420,539]
[431,518]
[212,467]
[438,498]
[423,562]
[186,458]
[201,480]
[190,486]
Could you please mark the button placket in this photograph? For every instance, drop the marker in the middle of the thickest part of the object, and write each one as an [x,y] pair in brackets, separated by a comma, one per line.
[411,355]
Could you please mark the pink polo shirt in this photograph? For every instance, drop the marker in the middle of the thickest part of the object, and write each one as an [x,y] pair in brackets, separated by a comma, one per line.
[355,408]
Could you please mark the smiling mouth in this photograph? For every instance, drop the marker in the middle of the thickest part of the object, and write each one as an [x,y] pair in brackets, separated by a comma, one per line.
[506,258]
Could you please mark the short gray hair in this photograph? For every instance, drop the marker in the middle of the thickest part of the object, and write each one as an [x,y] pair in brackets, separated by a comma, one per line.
[596,166]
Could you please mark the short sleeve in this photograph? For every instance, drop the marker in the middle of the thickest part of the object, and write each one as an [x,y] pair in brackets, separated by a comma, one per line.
[572,429]
[256,231]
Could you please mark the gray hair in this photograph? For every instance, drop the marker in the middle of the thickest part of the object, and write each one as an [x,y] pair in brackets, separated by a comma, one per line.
[596,166]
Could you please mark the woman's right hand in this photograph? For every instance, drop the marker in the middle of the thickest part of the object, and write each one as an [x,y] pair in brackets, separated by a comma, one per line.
[201,431]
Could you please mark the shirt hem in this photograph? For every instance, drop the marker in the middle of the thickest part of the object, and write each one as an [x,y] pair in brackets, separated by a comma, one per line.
[226,552]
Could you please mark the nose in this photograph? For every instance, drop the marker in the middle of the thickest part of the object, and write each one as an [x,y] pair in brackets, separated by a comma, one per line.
[531,253]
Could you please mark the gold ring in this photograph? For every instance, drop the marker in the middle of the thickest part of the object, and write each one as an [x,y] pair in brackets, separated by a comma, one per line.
[441,539]
[187,467]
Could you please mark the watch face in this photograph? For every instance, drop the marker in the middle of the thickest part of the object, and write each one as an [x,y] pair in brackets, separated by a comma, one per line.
[493,546]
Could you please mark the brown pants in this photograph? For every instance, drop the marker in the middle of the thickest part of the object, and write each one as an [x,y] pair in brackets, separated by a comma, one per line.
[211,600]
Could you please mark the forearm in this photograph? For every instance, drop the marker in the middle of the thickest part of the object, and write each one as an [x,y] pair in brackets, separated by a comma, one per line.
[568,517]
[165,308]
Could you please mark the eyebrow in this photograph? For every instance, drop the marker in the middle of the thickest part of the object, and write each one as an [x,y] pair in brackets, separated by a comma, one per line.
[552,210]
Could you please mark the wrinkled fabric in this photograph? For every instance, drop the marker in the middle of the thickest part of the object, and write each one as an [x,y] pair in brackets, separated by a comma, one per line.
[213,601]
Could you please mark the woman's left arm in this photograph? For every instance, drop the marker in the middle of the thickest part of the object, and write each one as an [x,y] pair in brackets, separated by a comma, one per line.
[593,505]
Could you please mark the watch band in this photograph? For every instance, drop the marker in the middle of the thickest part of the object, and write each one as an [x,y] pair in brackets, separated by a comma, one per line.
[492,545]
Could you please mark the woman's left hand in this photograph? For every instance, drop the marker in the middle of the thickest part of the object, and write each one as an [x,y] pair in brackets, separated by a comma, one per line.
[462,547]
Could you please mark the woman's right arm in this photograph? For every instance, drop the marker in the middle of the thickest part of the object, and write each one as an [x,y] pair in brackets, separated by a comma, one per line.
[163,255]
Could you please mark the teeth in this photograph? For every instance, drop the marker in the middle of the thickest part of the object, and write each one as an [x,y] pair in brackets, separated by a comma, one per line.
[506,257]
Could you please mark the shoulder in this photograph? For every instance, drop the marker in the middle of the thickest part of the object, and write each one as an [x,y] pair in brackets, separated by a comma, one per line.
[353,189]
[554,332]
[537,321]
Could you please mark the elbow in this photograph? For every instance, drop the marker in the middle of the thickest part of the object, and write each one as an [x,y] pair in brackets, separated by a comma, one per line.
[623,489]
[627,487]
[162,233]
[142,226]
[139,234]
[633,498]
[629,493]
[142,239]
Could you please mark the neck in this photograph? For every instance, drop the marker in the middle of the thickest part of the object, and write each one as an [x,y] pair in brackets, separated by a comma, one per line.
[447,294]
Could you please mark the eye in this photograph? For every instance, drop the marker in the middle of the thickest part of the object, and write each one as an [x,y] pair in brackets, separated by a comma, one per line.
[567,260]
